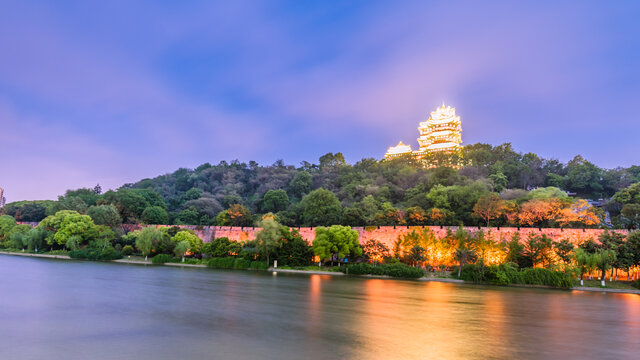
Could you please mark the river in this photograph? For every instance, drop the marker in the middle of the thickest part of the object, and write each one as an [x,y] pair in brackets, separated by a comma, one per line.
[56,309]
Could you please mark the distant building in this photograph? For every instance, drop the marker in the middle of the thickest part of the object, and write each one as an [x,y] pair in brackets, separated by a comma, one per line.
[442,132]
[3,200]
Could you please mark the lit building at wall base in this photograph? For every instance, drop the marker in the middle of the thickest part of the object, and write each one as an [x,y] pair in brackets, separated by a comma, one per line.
[441,133]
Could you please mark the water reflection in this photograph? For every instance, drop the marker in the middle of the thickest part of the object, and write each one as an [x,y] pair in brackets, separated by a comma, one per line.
[80,310]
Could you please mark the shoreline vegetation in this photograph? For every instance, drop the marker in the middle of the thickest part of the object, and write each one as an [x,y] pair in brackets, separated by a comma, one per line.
[310,270]
[482,185]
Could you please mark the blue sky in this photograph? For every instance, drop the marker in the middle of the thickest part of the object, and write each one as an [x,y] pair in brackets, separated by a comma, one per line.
[112,92]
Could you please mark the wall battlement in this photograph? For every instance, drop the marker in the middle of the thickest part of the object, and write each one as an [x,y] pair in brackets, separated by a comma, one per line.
[389,234]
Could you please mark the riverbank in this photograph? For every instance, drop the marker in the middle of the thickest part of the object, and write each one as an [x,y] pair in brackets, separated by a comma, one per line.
[330,273]
[46,256]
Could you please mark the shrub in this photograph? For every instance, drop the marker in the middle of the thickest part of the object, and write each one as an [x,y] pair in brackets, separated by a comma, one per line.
[395,270]
[508,273]
[191,261]
[127,250]
[236,263]
[161,259]
[241,263]
[503,274]
[540,276]
[258,265]
[95,254]
[221,263]
[473,273]
[58,252]
[358,269]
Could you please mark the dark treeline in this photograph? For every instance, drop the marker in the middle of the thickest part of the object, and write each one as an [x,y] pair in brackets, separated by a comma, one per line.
[490,185]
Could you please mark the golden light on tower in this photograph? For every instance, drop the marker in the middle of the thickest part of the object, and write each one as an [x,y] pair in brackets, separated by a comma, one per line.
[442,132]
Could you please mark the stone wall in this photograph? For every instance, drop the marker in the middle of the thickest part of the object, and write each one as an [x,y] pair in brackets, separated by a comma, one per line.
[389,234]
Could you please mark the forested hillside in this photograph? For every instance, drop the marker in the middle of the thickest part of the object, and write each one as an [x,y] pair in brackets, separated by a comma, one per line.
[493,185]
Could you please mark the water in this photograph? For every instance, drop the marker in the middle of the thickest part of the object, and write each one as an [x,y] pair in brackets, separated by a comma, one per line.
[53,309]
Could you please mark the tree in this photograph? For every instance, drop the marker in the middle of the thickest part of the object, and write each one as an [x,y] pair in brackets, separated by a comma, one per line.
[7,223]
[155,215]
[321,207]
[336,242]
[195,243]
[375,251]
[239,215]
[631,215]
[181,248]
[538,249]
[488,207]
[300,185]
[105,215]
[268,239]
[563,250]
[193,194]
[416,216]
[274,201]
[221,247]
[67,223]
[583,261]
[603,259]
[464,252]
[145,239]
[417,255]
[293,249]
[189,216]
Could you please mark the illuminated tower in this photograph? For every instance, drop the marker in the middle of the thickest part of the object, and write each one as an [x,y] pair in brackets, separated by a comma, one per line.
[441,132]
[398,150]
[2,199]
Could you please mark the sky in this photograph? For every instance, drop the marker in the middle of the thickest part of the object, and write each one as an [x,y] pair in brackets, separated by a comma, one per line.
[112,92]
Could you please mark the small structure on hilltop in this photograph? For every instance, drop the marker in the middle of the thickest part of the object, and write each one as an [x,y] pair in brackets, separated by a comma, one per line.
[441,133]
[3,200]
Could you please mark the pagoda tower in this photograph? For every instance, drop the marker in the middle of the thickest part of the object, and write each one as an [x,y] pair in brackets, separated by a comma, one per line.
[441,132]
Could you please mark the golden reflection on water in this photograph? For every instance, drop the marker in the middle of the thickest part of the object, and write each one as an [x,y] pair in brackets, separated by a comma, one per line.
[429,322]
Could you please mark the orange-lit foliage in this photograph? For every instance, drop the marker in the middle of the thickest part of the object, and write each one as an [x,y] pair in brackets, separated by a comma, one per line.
[416,216]
[541,211]
[375,251]
[489,207]
[238,214]
[437,216]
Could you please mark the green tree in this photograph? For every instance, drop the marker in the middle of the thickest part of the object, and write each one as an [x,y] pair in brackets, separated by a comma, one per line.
[293,250]
[195,243]
[336,242]
[274,201]
[66,223]
[604,258]
[145,239]
[583,261]
[193,194]
[321,207]
[189,216]
[268,238]
[181,248]
[300,185]
[105,215]
[155,215]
